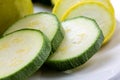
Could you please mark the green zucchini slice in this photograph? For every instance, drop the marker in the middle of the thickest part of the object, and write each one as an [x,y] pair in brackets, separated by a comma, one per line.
[46,22]
[83,38]
[22,53]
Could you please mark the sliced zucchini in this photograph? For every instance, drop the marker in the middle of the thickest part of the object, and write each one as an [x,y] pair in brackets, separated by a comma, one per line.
[83,38]
[46,22]
[22,53]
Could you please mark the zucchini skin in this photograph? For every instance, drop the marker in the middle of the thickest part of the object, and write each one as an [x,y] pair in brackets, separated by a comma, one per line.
[63,65]
[59,36]
[35,64]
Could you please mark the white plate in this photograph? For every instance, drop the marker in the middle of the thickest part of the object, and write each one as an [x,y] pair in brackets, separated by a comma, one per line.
[105,65]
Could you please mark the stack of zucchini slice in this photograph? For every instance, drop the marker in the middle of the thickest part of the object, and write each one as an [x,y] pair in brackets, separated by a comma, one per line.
[27,44]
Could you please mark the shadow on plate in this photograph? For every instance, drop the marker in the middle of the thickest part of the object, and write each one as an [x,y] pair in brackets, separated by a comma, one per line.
[48,74]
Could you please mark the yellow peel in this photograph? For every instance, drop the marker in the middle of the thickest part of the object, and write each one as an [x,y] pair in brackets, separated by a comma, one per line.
[106,3]
[54,1]
[12,10]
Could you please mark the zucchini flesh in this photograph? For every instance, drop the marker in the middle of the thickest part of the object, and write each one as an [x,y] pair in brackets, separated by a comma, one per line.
[45,22]
[22,53]
[83,38]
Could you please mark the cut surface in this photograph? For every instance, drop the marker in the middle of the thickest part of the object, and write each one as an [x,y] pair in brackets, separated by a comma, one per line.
[82,39]
[45,22]
[42,22]
[78,33]
[97,11]
[19,52]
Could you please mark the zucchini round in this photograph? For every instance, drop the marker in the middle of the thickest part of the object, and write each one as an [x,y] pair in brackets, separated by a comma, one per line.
[22,53]
[83,38]
[46,22]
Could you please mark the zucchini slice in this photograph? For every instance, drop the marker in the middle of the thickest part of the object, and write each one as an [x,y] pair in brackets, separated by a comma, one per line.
[46,22]
[83,38]
[22,53]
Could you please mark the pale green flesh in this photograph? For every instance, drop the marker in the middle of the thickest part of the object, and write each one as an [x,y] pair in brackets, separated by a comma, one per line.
[17,50]
[43,22]
[94,11]
[80,34]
